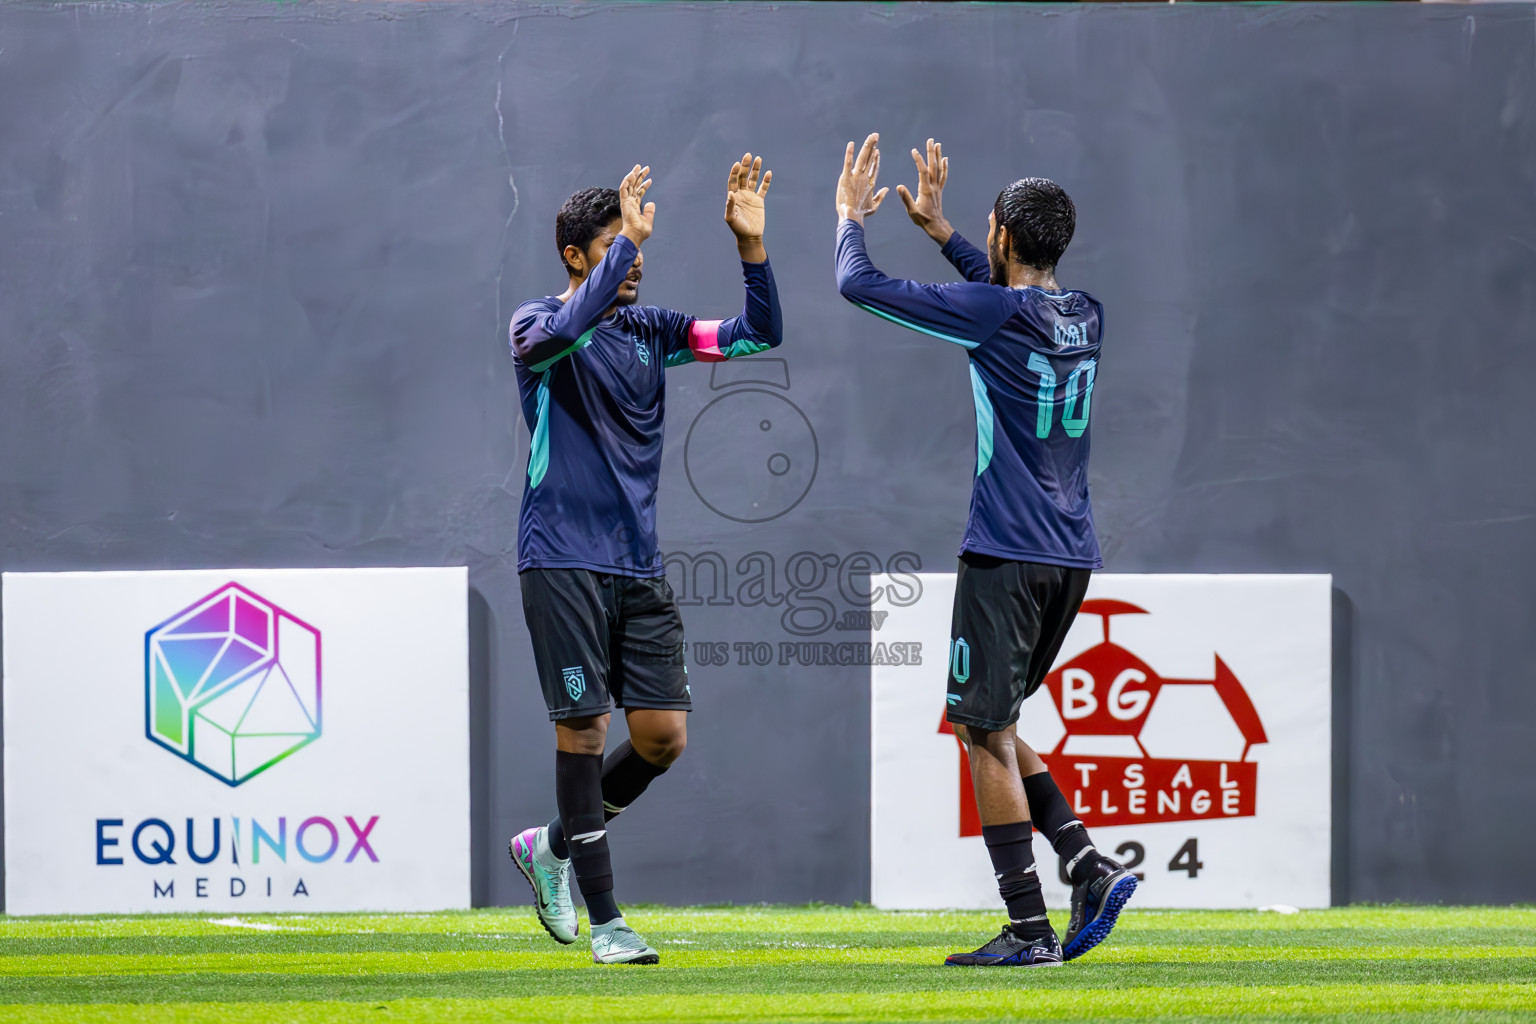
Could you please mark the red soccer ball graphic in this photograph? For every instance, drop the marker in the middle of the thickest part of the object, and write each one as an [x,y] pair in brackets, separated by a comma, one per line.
[1121,726]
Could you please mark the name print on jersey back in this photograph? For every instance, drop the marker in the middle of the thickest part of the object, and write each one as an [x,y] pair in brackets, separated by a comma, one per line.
[1070,335]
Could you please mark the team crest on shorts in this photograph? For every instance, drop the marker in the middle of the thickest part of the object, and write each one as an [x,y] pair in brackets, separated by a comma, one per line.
[575,681]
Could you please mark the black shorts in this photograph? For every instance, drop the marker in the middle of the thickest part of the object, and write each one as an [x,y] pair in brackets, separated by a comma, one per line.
[1010,619]
[602,641]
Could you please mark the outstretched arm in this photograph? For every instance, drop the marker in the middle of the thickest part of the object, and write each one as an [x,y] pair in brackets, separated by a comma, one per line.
[927,211]
[539,337]
[757,328]
[966,314]
[966,258]
[760,325]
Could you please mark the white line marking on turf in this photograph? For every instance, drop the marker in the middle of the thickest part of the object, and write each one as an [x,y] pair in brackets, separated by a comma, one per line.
[235,922]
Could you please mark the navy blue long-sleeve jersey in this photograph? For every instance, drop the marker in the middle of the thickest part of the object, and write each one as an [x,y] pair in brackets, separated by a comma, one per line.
[593,392]
[1033,357]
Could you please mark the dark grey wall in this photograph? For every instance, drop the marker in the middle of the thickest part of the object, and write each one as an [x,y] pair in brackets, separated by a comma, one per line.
[258,261]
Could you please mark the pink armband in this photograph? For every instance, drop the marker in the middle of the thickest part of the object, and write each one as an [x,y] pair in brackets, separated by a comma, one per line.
[704,340]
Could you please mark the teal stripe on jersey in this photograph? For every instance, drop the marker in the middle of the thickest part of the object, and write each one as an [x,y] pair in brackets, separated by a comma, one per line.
[581,342]
[984,419]
[736,349]
[538,451]
[915,327]
[744,347]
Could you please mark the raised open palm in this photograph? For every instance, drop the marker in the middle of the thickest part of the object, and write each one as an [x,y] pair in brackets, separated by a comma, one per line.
[639,216]
[927,207]
[744,191]
[856,195]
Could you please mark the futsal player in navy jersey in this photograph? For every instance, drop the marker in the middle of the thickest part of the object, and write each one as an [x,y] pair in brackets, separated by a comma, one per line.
[605,625]
[1029,544]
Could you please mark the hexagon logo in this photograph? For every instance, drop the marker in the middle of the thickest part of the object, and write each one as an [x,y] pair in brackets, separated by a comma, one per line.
[232,684]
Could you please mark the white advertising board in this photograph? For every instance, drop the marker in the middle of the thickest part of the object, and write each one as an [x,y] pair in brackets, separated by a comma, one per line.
[1187,719]
[236,740]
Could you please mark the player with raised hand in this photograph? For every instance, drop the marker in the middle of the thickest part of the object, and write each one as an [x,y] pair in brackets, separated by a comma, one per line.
[604,623]
[1029,544]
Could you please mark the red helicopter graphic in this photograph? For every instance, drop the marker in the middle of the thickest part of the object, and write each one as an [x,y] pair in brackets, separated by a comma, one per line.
[1107,694]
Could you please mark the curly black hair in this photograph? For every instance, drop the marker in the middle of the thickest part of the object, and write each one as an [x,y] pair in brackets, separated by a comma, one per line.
[583,217]
[1040,219]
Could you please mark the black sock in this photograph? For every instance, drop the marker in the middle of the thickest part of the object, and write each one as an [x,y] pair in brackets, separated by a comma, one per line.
[579,795]
[602,907]
[625,776]
[556,837]
[1013,862]
[1053,816]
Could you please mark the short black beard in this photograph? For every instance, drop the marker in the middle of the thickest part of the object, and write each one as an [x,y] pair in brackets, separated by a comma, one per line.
[622,301]
[998,264]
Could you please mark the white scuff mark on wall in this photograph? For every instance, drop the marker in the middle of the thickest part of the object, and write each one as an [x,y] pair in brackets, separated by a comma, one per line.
[501,134]
[501,252]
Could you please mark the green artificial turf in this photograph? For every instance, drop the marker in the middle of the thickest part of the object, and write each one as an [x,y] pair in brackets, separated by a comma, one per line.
[1396,964]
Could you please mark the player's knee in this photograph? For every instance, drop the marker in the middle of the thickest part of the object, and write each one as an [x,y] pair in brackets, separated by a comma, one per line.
[582,735]
[972,737]
[994,741]
[661,749]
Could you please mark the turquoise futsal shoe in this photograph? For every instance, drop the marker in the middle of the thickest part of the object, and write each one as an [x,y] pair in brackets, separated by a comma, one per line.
[617,943]
[550,879]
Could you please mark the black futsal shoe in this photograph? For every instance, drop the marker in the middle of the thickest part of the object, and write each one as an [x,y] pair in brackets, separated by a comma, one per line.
[1096,906]
[1009,950]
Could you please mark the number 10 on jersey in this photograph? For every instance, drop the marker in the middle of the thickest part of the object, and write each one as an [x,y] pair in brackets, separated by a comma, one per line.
[1078,388]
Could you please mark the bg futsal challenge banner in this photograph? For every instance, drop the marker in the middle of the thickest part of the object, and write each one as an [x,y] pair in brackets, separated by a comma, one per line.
[241,740]
[1187,719]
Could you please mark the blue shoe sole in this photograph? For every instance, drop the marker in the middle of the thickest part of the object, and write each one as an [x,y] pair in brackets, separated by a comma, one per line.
[1104,922]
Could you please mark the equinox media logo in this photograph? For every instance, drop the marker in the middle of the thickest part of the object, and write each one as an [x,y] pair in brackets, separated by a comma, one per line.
[232,684]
